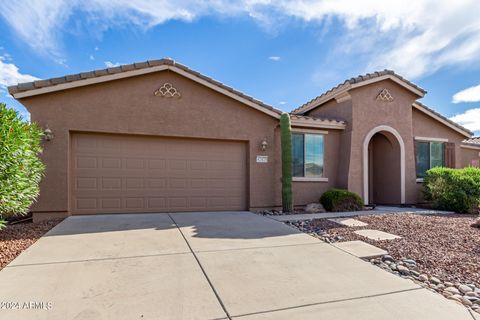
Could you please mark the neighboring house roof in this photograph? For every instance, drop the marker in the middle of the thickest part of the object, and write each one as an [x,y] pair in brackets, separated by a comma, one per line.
[38,87]
[311,122]
[437,116]
[473,140]
[472,143]
[356,82]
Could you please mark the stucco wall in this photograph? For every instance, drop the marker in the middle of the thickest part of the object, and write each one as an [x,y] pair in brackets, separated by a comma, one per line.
[339,111]
[469,154]
[310,191]
[426,126]
[370,113]
[129,106]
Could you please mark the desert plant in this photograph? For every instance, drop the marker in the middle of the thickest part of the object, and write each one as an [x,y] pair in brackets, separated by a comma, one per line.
[20,168]
[286,140]
[453,189]
[338,200]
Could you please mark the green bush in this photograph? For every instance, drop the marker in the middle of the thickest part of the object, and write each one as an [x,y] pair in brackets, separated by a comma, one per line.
[454,189]
[338,200]
[20,168]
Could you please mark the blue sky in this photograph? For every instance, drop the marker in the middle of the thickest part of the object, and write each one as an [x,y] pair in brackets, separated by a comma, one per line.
[281,52]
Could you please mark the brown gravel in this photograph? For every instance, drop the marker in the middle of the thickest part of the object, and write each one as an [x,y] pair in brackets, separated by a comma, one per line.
[18,237]
[445,246]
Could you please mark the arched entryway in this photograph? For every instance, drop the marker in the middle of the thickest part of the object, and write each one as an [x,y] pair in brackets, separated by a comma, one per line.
[384,166]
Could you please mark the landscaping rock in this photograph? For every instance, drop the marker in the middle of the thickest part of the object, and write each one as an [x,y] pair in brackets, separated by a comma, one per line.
[452,290]
[471,294]
[314,208]
[409,261]
[437,281]
[464,288]
[403,270]
[440,287]
[476,224]
[456,297]
[414,273]
[466,302]
[388,257]
[423,277]
[17,237]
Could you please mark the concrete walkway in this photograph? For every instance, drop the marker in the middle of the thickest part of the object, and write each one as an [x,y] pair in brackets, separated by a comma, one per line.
[223,265]
[377,211]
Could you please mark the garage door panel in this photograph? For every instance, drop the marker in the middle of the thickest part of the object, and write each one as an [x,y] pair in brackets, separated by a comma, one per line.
[119,173]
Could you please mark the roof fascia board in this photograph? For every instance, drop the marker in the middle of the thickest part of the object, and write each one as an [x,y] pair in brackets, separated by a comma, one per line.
[133,73]
[469,146]
[89,81]
[434,116]
[343,91]
[321,125]
[389,77]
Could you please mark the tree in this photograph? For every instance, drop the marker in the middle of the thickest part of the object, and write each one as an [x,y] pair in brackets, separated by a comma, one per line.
[286,140]
[20,167]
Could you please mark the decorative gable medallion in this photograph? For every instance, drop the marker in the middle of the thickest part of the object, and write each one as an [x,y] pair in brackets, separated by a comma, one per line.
[167,91]
[385,96]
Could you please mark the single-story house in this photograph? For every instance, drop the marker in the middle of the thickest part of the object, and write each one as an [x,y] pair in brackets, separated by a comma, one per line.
[157,136]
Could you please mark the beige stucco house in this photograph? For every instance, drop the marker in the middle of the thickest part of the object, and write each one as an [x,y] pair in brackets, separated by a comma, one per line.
[157,136]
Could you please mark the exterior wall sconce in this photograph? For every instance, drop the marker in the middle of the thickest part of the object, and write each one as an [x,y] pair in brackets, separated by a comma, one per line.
[48,134]
[264,144]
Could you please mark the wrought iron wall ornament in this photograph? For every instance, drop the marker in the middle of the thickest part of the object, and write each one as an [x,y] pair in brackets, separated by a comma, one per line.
[168,91]
[385,96]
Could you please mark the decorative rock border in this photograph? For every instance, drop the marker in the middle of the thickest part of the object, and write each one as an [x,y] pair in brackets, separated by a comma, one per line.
[466,294]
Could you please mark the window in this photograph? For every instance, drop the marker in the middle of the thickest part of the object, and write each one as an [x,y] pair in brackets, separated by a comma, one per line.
[307,155]
[429,155]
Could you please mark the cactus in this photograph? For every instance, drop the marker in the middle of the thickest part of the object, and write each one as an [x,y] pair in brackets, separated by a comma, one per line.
[286,139]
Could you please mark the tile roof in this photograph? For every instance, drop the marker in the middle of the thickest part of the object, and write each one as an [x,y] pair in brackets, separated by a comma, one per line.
[444,118]
[359,79]
[312,120]
[28,86]
[473,141]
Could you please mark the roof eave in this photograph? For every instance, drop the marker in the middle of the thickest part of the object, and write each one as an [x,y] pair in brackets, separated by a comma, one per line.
[344,88]
[165,65]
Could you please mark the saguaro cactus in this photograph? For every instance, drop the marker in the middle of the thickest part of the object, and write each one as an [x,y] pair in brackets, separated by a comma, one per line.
[286,139]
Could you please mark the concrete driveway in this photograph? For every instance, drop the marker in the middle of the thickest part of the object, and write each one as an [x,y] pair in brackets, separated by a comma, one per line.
[222,265]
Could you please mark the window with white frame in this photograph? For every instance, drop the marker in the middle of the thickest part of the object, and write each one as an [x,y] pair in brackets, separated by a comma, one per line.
[308,155]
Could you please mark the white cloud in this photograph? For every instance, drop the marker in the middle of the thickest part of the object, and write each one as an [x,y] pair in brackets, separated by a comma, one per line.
[415,39]
[110,64]
[274,58]
[470,119]
[283,103]
[91,57]
[11,75]
[471,94]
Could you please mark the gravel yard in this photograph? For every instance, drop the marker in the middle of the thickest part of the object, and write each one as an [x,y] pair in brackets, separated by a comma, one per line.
[18,237]
[444,246]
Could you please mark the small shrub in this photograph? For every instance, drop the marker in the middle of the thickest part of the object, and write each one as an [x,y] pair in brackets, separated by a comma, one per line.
[454,189]
[338,200]
[20,168]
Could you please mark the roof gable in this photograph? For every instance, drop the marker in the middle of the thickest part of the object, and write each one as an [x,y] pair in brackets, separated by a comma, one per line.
[39,87]
[437,116]
[342,89]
